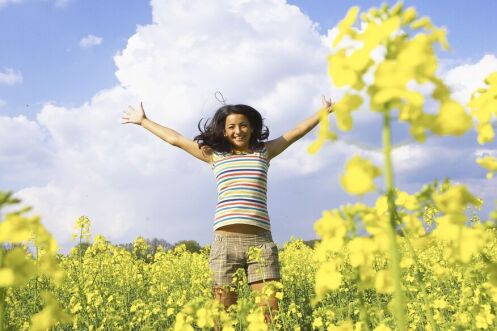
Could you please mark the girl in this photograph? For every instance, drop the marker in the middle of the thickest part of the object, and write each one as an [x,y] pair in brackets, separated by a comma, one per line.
[234,144]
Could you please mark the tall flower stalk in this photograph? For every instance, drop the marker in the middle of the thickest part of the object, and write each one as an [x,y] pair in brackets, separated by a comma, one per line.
[399,298]
[395,47]
[2,293]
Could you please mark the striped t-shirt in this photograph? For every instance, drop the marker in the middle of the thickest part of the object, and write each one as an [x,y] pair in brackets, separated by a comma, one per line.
[241,186]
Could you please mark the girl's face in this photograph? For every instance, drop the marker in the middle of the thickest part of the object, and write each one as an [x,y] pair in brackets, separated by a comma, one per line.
[237,131]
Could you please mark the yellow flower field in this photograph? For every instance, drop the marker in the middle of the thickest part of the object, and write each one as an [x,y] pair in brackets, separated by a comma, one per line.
[108,287]
[409,261]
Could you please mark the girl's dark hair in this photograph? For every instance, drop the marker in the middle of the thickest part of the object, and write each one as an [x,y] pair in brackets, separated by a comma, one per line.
[212,135]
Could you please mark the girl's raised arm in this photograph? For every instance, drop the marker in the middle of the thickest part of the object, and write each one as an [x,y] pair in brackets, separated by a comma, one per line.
[168,135]
[278,145]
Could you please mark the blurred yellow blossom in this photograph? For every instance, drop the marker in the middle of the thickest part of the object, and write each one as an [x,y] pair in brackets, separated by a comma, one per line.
[359,176]
[483,105]
[489,163]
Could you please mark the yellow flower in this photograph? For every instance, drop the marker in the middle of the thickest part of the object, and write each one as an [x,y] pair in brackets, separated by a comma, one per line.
[17,229]
[409,15]
[323,134]
[182,323]
[327,278]
[343,108]
[331,226]
[423,22]
[377,33]
[361,250]
[485,318]
[256,321]
[205,318]
[455,200]
[383,282]
[342,70]
[345,25]
[483,105]
[344,326]
[439,304]
[452,119]
[50,315]
[407,201]
[317,323]
[17,268]
[413,225]
[382,327]
[359,176]
[489,163]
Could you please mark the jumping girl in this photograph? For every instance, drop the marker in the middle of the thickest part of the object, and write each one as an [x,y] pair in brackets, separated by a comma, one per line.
[234,143]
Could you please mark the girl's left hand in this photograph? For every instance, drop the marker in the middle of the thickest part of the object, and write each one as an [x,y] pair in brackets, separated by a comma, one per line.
[328,104]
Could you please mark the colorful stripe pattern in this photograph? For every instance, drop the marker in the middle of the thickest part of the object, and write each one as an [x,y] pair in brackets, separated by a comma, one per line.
[241,186]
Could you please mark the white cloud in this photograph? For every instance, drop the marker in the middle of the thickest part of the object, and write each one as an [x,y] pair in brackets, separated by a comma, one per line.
[2,103]
[129,182]
[466,78]
[90,41]
[62,3]
[481,152]
[10,76]
[6,2]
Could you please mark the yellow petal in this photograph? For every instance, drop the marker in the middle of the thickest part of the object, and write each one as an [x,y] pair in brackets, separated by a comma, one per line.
[409,15]
[452,120]
[455,200]
[423,22]
[17,269]
[489,163]
[345,24]
[343,108]
[491,79]
[359,176]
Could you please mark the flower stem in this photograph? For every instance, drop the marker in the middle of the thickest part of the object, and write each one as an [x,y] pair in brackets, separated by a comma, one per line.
[399,301]
[419,279]
[2,294]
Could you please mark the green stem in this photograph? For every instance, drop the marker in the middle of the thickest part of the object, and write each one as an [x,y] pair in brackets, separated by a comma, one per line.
[2,294]
[420,283]
[35,301]
[399,303]
[364,312]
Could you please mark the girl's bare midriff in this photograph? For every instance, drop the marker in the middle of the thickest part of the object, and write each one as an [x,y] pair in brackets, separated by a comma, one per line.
[241,228]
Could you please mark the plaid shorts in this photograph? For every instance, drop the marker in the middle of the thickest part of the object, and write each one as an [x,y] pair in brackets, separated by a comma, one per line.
[229,252]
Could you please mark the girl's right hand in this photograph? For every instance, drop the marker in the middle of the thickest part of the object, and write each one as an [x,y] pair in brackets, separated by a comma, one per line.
[134,116]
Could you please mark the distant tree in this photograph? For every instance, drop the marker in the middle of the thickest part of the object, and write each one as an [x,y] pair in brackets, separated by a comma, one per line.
[191,245]
[153,243]
[156,242]
[311,243]
[82,247]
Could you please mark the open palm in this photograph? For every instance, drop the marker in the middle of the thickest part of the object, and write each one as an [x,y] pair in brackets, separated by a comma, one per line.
[134,116]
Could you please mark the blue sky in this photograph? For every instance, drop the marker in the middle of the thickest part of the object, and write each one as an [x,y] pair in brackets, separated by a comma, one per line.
[42,41]
[63,150]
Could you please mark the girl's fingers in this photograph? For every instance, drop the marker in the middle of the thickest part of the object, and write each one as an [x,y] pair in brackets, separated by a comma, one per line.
[323,100]
[326,102]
